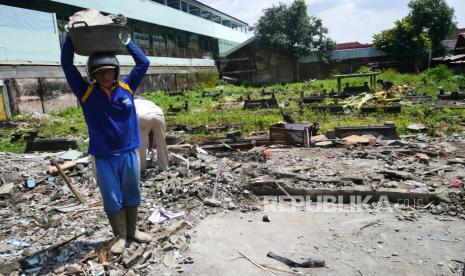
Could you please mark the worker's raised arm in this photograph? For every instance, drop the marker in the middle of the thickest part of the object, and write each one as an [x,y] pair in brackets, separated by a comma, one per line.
[142,64]
[73,76]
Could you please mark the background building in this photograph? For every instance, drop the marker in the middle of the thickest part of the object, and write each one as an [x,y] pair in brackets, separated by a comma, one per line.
[255,63]
[182,39]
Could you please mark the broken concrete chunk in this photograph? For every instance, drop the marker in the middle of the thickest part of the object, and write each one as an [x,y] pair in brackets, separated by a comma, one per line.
[356,139]
[324,144]
[71,155]
[232,206]
[133,258]
[416,127]
[74,269]
[390,184]
[8,268]
[169,260]
[212,202]
[7,190]
[318,138]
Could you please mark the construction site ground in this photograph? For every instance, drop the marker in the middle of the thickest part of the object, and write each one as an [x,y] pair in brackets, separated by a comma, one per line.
[389,208]
[430,245]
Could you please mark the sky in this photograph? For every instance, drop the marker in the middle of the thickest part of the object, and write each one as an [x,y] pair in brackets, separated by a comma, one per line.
[346,20]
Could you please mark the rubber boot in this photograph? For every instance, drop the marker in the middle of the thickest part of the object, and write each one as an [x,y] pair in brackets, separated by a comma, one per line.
[131,222]
[118,225]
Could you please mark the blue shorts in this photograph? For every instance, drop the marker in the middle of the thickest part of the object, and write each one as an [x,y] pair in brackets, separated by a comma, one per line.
[118,178]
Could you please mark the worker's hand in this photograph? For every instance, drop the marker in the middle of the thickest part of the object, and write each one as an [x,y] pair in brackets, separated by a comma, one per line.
[124,40]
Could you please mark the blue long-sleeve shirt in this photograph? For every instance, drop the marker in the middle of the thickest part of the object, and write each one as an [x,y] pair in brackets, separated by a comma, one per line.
[110,115]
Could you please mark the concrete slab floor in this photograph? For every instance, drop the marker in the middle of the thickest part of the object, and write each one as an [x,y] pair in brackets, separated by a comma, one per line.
[427,246]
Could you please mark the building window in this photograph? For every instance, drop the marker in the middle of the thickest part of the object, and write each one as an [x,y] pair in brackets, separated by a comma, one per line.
[194,10]
[185,7]
[216,18]
[174,4]
[159,40]
[227,23]
[194,41]
[182,39]
[206,14]
[142,38]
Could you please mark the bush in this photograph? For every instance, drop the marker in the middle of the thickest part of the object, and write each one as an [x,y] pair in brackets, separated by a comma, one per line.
[206,80]
[439,73]
[459,80]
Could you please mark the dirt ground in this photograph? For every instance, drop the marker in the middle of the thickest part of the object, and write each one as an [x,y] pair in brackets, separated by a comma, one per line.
[430,245]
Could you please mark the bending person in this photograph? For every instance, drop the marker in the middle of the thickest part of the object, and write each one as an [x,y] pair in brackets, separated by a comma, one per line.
[151,120]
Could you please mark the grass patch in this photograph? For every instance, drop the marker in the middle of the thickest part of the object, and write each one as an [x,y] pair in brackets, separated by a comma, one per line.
[227,109]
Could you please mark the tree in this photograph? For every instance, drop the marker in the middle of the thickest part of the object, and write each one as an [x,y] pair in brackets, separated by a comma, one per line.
[435,17]
[291,31]
[404,42]
[419,33]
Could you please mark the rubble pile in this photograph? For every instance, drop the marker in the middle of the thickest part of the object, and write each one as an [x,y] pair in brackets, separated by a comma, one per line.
[45,230]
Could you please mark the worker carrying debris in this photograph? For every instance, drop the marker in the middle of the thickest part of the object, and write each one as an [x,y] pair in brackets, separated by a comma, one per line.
[152,129]
[109,111]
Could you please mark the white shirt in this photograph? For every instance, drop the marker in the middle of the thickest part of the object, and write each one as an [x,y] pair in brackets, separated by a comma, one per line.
[144,107]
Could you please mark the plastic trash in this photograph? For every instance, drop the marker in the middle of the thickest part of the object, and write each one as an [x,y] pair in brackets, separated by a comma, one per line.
[31,183]
[19,243]
[161,215]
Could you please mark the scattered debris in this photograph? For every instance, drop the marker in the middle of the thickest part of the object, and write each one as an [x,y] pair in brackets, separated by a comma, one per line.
[256,264]
[71,155]
[308,263]
[416,127]
[7,190]
[50,209]
[368,225]
[293,134]
[161,215]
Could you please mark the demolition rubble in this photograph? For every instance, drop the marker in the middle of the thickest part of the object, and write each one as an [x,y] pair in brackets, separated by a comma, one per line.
[46,230]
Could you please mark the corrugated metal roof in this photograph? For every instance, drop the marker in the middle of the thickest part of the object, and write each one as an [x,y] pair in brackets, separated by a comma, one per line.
[449,44]
[346,54]
[455,33]
[228,15]
[238,47]
[450,58]
[352,45]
